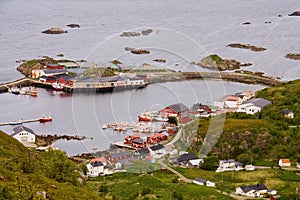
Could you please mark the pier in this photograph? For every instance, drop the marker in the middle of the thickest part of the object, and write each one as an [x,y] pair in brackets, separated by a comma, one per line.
[13,123]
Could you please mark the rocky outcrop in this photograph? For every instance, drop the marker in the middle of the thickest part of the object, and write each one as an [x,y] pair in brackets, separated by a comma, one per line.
[246,46]
[147,31]
[130,34]
[137,51]
[134,34]
[54,31]
[217,63]
[60,55]
[73,25]
[46,140]
[293,56]
[160,60]
[27,67]
[296,13]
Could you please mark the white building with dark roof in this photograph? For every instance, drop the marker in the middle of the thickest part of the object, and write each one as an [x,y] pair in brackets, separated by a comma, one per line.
[253,106]
[201,181]
[95,168]
[229,165]
[258,190]
[24,134]
[157,151]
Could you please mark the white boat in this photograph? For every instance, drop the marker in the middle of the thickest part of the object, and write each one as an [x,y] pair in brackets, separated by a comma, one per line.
[161,118]
[58,86]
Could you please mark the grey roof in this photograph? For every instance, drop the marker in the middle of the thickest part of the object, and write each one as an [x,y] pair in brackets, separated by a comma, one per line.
[179,107]
[21,128]
[286,111]
[228,161]
[143,151]
[187,157]
[121,154]
[96,164]
[259,102]
[201,180]
[138,141]
[51,71]
[256,187]
[157,147]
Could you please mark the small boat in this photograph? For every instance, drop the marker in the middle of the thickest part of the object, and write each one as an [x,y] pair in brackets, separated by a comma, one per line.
[104,126]
[33,92]
[44,119]
[58,86]
[15,90]
[14,123]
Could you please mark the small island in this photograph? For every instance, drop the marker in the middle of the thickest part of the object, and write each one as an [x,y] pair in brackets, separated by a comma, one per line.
[293,56]
[54,31]
[246,46]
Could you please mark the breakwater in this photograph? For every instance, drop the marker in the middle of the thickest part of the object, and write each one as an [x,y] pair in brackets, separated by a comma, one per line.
[158,78]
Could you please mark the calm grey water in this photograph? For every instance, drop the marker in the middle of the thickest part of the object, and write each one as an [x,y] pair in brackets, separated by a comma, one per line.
[84,114]
[183,32]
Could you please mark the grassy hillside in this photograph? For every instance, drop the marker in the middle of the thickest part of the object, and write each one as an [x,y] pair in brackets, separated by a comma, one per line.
[24,173]
[283,97]
[156,185]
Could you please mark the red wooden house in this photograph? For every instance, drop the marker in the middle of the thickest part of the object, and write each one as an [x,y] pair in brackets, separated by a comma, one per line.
[151,139]
[130,138]
[175,110]
[155,138]
[54,66]
[138,143]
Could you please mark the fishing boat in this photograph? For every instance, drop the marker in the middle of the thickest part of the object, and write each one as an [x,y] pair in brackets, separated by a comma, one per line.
[145,117]
[44,119]
[33,92]
[15,90]
[104,126]
[58,86]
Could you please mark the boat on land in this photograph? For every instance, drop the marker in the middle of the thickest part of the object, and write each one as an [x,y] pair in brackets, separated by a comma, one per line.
[44,119]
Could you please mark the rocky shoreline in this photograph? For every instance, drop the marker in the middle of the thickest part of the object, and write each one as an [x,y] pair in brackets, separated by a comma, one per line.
[46,140]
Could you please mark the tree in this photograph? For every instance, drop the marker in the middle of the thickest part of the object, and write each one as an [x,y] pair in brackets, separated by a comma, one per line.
[59,167]
[210,163]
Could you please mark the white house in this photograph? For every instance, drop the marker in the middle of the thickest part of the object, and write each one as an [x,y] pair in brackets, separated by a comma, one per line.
[157,151]
[284,162]
[253,106]
[95,168]
[188,160]
[200,181]
[229,165]
[288,114]
[258,190]
[24,134]
[298,165]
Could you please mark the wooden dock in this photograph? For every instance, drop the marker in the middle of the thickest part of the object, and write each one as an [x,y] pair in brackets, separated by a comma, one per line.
[13,123]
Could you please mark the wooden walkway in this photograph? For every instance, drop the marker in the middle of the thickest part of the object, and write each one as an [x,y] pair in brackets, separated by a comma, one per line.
[19,121]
